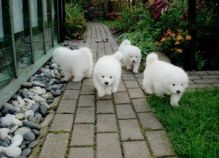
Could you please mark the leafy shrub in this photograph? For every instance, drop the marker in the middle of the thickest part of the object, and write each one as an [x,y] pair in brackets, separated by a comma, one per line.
[75,21]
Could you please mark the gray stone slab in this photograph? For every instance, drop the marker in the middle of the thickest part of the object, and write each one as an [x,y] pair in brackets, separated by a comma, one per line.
[87,90]
[197,86]
[121,98]
[70,94]
[108,145]
[136,149]
[121,87]
[210,76]
[131,84]
[52,143]
[204,81]
[88,82]
[67,106]
[159,143]
[87,152]
[136,93]
[62,122]
[140,81]
[139,75]
[83,134]
[86,100]
[128,77]
[106,97]
[73,85]
[197,72]
[85,115]
[125,111]
[213,72]
[105,106]
[149,121]
[130,130]
[194,77]
[106,123]
[141,105]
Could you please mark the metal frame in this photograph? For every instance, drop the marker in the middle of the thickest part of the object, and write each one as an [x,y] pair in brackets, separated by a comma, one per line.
[31,32]
[44,28]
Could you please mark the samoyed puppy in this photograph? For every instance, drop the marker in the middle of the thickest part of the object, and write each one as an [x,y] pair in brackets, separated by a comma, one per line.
[107,74]
[77,63]
[164,78]
[131,55]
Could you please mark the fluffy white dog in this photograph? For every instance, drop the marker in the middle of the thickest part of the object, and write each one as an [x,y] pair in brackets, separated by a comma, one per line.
[77,63]
[131,55]
[107,73]
[163,78]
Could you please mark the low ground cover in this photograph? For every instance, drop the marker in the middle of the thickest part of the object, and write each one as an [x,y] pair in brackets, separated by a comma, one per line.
[193,127]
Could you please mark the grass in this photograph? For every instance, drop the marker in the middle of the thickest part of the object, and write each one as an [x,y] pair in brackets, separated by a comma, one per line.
[193,128]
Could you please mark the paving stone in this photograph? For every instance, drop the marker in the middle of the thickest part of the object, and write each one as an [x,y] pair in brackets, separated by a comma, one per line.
[81,153]
[131,84]
[204,81]
[136,149]
[125,111]
[62,122]
[194,77]
[52,143]
[128,77]
[213,72]
[83,134]
[85,115]
[67,106]
[87,90]
[106,97]
[139,75]
[140,80]
[141,105]
[86,100]
[108,145]
[121,87]
[106,123]
[197,86]
[136,93]
[210,76]
[197,72]
[149,121]
[159,143]
[121,98]
[125,71]
[73,85]
[130,130]
[70,94]
[105,106]
[88,82]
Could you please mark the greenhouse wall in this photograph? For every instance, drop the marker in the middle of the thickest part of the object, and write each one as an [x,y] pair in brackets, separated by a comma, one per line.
[29,31]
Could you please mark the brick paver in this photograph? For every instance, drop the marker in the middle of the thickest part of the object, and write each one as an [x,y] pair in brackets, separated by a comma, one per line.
[121,125]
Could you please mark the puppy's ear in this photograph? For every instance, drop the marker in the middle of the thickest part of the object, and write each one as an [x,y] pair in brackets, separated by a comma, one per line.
[118,55]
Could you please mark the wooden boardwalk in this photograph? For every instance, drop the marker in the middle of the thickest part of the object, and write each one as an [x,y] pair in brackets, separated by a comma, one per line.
[117,126]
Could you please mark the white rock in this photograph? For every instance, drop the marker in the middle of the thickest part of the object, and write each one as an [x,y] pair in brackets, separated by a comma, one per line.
[7,120]
[29,103]
[38,98]
[4,133]
[21,101]
[38,90]
[21,131]
[16,140]
[29,113]
[12,151]
[20,116]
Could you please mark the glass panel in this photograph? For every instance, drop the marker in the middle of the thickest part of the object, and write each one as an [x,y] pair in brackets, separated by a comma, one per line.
[22,33]
[37,27]
[55,19]
[48,23]
[6,53]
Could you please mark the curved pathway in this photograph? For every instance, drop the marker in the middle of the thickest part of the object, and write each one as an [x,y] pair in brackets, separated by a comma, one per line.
[118,126]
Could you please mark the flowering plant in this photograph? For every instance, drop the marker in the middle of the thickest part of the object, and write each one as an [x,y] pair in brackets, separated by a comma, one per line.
[175,44]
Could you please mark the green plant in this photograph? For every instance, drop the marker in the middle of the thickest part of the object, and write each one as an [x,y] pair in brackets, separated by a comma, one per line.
[193,127]
[75,21]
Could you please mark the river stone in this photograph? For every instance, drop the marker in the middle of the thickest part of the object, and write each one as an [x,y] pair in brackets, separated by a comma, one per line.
[29,136]
[22,130]
[31,124]
[26,152]
[33,144]
[8,108]
[27,85]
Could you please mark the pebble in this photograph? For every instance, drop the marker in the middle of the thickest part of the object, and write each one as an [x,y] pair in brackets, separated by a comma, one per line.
[33,144]
[35,107]
[43,109]
[31,125]
[20,116]
[8,108]
[22,130]
[56,93]
[42,85]
[29,136]
[26,152]
[27,85]
[38,90]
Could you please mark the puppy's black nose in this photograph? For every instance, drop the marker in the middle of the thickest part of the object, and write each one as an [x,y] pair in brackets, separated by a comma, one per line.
[133,61]
[178,92]
[106,83]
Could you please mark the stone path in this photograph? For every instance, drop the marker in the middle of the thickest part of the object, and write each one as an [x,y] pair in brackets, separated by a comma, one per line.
[117,126]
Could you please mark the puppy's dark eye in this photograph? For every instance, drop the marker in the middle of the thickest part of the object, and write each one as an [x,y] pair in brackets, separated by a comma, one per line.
[182,84]
[173,84]
[136,56]
[131,56]
[111,77]
[102,76]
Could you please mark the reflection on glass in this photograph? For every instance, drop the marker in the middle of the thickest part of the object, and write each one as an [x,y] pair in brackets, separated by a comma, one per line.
[37,28]
[6,56]
[48,23]
[21,34]
[55,17]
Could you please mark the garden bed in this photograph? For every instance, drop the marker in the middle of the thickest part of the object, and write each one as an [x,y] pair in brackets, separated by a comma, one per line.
[193,127]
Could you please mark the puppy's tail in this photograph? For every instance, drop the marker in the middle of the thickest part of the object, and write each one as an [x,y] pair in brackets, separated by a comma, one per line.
[118,55]
[151,58]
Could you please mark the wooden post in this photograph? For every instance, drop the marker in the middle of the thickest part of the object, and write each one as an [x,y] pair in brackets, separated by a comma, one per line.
[106,7]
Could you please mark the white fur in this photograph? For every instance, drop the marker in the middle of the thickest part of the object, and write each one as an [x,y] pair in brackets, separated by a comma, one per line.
[107,73]
[163,78]
[77,63]
[131,55]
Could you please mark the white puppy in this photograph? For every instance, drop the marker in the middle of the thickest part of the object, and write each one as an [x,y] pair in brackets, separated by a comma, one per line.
[163,78]
[107,73]
[77,63]
[131,55]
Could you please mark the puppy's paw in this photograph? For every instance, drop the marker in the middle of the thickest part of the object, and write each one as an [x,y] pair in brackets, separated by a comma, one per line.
[135,71]
[101,94]
[115,89]
[108,92]
[174,104]
[76,80]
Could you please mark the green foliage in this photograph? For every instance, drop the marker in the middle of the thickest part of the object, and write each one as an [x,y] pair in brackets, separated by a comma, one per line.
[193,127]
[75,21]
